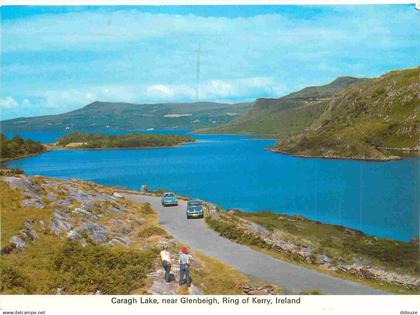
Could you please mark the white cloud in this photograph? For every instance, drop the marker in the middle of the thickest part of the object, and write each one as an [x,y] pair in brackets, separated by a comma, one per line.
[8,102]
[64,61]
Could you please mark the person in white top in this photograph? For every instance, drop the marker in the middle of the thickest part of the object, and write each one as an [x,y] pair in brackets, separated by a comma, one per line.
[165,256]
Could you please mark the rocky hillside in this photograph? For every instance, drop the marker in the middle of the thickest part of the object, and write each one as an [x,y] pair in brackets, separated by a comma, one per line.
[125,116]
[286,115]
[75,237]
[375,119]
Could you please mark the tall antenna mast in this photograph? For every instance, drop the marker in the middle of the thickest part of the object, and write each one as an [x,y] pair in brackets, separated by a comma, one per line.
[197,91]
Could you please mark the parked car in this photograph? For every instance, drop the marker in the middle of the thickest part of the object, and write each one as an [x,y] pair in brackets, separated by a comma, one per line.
[169,199]
[195,209]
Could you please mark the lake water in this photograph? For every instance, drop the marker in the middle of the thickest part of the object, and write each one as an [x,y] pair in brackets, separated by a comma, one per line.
[379,198]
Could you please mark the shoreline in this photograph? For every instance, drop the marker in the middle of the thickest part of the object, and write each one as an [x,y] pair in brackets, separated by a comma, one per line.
[4,161]
[58,148]
[307,156]
[415,152]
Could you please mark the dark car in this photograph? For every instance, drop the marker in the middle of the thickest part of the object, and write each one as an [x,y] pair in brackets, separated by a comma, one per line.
[169,199]
[195,209]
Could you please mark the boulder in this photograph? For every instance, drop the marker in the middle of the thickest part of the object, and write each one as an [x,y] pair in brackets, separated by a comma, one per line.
[60,222]
[32,203]
[17,242]
[86,213]
[124,240]
[96,232]
[26,184]
[117,195]
[213,213]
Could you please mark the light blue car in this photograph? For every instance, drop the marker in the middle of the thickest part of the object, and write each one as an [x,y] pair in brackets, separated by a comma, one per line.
[195,209]
[169,199]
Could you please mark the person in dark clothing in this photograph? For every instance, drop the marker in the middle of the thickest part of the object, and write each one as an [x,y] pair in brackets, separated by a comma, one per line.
[184,267]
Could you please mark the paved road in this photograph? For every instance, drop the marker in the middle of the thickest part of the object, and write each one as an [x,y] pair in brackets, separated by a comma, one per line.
[256,265]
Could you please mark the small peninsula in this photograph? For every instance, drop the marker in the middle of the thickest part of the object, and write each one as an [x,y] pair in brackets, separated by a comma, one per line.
[17,147]
[83,140]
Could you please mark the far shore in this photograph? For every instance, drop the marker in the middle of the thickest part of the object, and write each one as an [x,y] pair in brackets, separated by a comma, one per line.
[2,161]
[53,147]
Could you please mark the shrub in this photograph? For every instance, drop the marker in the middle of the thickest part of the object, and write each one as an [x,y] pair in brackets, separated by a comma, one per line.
[17,147]
[147,208]
[150,231]
[232,232]
[87,269]
[12,280]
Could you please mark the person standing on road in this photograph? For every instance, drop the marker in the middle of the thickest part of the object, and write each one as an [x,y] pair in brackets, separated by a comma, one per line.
[184,267]
[166,262]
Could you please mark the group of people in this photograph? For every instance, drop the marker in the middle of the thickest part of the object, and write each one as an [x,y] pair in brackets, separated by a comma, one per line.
[184,265]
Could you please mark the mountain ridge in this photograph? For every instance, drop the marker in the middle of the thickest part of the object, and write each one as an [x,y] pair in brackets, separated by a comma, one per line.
[288,114]
[123,116]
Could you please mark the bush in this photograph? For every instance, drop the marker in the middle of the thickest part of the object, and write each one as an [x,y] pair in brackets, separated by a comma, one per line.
[12,280]
[393,253]
[147,208]
[80,269]
[150,231]
[17,147]
[230,231]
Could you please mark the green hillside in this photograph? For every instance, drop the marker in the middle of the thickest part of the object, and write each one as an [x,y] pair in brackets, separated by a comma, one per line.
[286,115]
[374,119]
[125,116]
[17,147]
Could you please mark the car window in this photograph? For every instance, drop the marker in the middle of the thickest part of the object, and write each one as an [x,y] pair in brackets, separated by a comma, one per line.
[194,203]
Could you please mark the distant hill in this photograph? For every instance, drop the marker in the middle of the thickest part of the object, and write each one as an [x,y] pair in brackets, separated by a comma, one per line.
[373,119]
[286,115]
[125,116]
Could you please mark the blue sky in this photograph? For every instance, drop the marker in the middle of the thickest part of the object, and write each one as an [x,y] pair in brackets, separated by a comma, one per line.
[56,59]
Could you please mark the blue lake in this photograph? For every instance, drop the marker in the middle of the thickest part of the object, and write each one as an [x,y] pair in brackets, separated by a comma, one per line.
[379,198]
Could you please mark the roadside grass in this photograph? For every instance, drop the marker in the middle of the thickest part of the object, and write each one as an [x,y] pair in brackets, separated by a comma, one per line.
[215,277]
[342,241]
[312,292]
[329,239]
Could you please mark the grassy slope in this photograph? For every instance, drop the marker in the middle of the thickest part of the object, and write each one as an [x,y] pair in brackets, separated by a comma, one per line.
[124,116]
[363,119]
[286,115]
[51,262]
